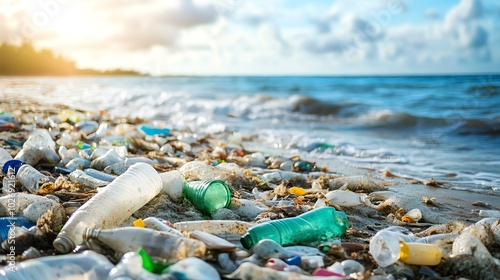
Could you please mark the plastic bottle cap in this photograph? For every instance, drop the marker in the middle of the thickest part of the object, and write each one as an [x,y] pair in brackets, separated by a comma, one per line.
[139,223]
[13,163]
[63,244]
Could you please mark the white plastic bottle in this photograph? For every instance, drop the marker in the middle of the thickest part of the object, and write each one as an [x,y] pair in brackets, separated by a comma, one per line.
[88,265]
[158,244]
[111,206]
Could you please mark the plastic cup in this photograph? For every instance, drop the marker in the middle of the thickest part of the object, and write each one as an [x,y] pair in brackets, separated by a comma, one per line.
[207,196]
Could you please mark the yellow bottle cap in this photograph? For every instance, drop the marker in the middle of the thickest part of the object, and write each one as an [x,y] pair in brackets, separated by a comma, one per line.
[139,223]
[297,191]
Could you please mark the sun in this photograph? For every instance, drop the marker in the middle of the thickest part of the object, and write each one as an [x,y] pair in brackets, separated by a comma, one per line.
[72,23]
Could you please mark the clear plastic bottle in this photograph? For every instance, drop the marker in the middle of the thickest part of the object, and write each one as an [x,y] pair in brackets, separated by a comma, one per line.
[40,138]
[30,155]
[109,158]
[156,243]
[99,175]
[111,206]
[30,178]
[88,265]
[317,225]
[83,179]
[385,247]
[208,196]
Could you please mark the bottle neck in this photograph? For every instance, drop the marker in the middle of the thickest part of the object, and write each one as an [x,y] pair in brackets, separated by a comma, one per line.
[91,233]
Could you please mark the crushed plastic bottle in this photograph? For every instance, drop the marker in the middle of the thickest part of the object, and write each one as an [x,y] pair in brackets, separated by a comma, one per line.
[112,205]
[40,138]
[88,265]
[345,198]
[413,216]
[172,184]
[247,208]
[32,207]
[85,180]
[33,155]
[208,196]
[109,158]
[316,225]
[156,243]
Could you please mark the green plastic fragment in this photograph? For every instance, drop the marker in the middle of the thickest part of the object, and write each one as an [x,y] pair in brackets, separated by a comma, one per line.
[147,262]
[151,265]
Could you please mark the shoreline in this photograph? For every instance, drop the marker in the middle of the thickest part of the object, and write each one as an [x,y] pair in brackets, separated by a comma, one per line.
[450,205]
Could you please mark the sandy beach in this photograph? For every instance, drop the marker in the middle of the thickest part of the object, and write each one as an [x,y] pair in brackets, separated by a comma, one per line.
[438,203]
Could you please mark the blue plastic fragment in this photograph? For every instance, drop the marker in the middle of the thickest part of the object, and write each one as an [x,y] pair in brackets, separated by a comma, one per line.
[13,143]
[293,261]
[62,170]
[152,130]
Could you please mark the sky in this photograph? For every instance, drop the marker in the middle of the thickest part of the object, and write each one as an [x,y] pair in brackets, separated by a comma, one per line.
[259,37]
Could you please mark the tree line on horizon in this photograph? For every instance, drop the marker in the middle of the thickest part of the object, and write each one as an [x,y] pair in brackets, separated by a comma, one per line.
[25,60]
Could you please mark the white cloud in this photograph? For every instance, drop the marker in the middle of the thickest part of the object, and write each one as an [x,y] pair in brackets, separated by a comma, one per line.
[191,36]
[463,25]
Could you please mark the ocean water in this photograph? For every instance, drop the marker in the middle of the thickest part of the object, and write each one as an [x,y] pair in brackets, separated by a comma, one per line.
[441,127]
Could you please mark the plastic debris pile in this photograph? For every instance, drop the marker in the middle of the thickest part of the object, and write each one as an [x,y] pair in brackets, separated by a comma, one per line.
[91,197]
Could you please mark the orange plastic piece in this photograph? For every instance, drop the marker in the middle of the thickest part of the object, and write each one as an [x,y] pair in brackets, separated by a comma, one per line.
[407,219]
[6,126]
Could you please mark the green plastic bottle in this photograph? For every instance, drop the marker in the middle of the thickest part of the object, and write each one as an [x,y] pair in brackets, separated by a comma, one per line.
[317,225]
[207,196]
